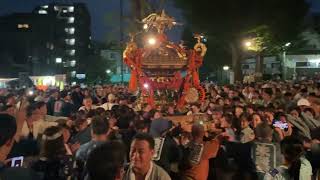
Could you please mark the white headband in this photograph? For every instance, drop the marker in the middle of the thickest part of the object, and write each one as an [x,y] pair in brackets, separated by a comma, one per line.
[52,137]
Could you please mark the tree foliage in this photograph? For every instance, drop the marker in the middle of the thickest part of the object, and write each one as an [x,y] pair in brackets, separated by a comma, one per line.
[228,22]
[95,70]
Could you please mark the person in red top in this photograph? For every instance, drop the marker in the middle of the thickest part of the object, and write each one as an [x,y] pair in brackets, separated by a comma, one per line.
[199,169]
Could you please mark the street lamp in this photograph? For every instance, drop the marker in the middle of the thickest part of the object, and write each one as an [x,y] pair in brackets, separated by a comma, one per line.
[225,73]
[284,61]
[58,60]
[152,41]
[248,44]
[288,44]
[226,68]
[108,71]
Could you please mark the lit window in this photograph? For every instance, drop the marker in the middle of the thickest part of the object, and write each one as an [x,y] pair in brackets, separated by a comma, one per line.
[71,30]
[48,80]
[314,60]
[58,60]
[73,73]
[73,63]
[23,26]
[71,20]
[71,9]
[70,41]
[71,52]
[45,6]
[64,11]
[50,45]
[43,11]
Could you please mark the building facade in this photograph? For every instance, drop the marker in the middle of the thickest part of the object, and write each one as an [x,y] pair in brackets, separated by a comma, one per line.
[52,39]
[294,65]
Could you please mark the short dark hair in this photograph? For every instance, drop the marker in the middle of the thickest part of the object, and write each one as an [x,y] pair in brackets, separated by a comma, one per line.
[244,117]
[196,130]
[99,125]
[80,119]
[145,137]
[5,107]
[30,108]
[87,97]
[288,94]
[263,131]
[292,150]
[39,104]
[140,124]
[229,118]
[268,91]
[8,128]
[91,113]
[10,95]
[106,160]
[100,111]
[64,94]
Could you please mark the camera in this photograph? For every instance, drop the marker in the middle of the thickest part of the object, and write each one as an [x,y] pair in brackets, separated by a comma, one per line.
[281,125]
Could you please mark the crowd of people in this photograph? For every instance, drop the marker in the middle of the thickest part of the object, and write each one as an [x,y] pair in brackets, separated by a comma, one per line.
[262,130]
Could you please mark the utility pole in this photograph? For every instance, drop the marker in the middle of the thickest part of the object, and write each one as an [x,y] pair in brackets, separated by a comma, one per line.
[121,38]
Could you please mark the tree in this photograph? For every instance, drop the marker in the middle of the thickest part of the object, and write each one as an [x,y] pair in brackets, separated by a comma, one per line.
[228,22]
[260,41]
[95,69]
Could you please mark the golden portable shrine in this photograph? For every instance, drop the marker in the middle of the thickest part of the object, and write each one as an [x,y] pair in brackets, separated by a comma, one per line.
[159,66]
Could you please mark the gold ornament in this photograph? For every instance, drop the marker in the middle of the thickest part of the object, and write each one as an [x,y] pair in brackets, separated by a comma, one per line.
[192,95]
[160,22]
[200,47]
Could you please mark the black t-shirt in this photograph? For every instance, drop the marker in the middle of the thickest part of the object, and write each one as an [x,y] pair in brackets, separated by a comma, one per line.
[171,153]
[82,137]
[77,99]
[67,109]
[50,106]
[17,173]
[25,147]
[56,169]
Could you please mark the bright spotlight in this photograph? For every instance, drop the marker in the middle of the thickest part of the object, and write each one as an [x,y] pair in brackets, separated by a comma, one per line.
[58,60]
[30,92]
[248,43]
[152,41]
[108,71]
[145,26]
[226,68]
[145,85]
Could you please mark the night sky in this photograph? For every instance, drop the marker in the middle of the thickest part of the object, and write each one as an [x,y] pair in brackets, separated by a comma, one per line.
[315,6]
[99,9]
